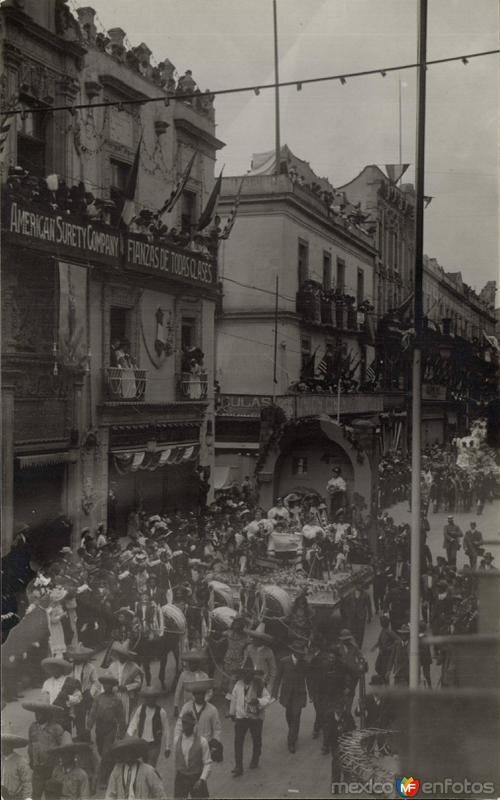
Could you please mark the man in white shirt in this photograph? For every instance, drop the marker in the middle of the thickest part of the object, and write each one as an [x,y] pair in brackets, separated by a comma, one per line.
[150,723]
[131,778]
[192,761]
[248,701]
[208,723]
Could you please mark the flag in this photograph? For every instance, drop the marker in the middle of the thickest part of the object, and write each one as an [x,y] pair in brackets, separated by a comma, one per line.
[178,188]
[325,366]
[371,375]
[228,227]
[395,171]
[128,208]
[4,133]
[208,212]
[427,200]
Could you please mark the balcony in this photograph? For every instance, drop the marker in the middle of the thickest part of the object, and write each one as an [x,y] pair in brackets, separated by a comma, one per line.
[124,385]
[193,387]
[332,308]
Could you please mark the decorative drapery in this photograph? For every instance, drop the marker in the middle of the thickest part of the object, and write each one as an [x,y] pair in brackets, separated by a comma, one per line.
[132,461]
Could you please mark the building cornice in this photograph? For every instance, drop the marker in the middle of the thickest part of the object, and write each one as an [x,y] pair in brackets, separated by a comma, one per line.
[51,40]
[197,132]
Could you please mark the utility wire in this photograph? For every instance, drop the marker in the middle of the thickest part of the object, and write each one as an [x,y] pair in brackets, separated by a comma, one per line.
[299,83]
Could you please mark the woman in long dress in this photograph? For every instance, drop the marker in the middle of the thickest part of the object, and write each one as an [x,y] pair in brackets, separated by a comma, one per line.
[55,615]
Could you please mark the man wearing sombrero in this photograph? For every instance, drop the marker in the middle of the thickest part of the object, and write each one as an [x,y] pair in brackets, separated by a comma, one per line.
[128,675]
[262,657]
[131,778]
[85,673]
[44,733]
[60,688]
[68,781]
[150,723]
[192,660]
[108,716]
[207,717]
[249,698]
[16,774]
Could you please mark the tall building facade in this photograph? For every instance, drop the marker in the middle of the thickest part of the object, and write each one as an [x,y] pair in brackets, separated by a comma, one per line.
[108,328]
[296,317]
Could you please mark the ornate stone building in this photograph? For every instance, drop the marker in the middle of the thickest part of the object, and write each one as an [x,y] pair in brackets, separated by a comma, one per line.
[108,331]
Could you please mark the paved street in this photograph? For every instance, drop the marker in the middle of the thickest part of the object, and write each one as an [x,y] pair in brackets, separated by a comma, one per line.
[281,774]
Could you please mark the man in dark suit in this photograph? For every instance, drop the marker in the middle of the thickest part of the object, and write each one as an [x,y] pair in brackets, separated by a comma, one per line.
[293,694]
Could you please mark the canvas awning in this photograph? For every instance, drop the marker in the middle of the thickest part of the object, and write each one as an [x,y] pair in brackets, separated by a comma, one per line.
[43,459]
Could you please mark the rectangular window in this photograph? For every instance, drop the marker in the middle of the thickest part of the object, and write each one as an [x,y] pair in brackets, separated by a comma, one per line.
[188,211]
[327,270]
[303,261]
[119,333]
[120,170]
[31,143]
[340,274]
[188,333]
[360,287]
[299,465]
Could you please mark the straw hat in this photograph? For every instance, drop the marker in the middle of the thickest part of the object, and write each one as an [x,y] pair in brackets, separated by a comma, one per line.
[79,653]
[199,686]
[193,655]
[49,708]
[121,649]
[72,748]
[124,747]
[13,740]
[148,691]
[107,678]
[345,634]
[60,663]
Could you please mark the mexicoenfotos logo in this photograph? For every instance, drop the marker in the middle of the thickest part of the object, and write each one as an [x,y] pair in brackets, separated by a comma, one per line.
[408,787]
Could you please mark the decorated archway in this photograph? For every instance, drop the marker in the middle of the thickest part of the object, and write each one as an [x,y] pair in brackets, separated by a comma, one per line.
[314,445]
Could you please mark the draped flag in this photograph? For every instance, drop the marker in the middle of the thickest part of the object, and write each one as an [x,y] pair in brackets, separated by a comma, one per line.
[4,133]
[128,208]
[228,227]
[395,171]
[73,345]
[178,188]
[208,212]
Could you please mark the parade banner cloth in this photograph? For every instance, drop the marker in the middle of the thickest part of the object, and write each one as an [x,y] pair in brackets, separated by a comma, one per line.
[72,346]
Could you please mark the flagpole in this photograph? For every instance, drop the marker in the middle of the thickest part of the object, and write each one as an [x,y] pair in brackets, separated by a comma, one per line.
[400,124]
[276,91]
[416,437]
[339,390]
[275,358]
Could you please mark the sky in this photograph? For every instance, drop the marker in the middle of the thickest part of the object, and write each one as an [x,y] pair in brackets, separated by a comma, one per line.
[341,128]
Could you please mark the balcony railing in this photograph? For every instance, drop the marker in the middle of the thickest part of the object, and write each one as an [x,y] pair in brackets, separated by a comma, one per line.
[126,384]
[318,307]
[193,387]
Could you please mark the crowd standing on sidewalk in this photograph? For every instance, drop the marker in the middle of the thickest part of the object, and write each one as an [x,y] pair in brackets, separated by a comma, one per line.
[157,589]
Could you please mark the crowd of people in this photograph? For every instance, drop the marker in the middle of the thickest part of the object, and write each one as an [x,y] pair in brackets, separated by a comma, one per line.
[93,624]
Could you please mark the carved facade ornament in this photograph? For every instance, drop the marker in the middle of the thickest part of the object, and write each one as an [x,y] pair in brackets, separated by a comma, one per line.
[37,81]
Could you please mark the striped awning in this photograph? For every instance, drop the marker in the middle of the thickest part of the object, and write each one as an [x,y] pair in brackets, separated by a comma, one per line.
[135,459]
[44,459]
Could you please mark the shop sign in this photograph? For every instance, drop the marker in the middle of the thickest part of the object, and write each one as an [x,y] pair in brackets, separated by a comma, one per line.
[432,392]
[59,234]
[70,237]
[247,404]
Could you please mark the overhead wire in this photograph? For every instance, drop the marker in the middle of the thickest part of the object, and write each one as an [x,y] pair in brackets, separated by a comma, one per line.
[241,89]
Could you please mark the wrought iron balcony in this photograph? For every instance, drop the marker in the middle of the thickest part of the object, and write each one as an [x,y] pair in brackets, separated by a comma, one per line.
[193,387]
[125,384]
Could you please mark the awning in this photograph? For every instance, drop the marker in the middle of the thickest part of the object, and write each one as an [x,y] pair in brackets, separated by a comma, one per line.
[132,460]
[43,459]
[224,477]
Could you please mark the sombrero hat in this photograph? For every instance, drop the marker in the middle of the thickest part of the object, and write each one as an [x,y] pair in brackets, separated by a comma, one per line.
[126,611]
[107,678]
[193,655]
[133,744]
[249,668]
[298,648]
[345,634]
[259,635]
[72,748]
[41,706]
[404,629]
[13,740]
[199,686]
[118,647]
[148,691]
[79,653]
[61,663]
